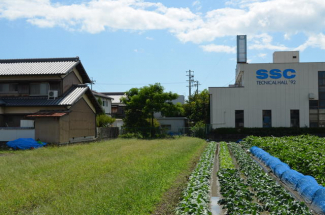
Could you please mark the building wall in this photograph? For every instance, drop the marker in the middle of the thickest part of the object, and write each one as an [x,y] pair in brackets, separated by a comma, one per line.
[175,123]
[278,95]
[47,129]
[69,80]
[82,120]
[65,129]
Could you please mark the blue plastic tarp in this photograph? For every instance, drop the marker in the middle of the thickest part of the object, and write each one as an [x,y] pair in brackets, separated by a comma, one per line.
[318,203]
[25,143]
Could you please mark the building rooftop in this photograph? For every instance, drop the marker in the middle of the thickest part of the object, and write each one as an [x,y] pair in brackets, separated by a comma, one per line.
[42,66]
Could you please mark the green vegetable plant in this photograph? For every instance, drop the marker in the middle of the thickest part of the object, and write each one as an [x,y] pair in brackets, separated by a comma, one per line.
[270,196]
[196,196]
[305,153]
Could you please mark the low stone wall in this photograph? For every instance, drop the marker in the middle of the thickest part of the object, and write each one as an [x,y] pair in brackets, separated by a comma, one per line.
[107,133]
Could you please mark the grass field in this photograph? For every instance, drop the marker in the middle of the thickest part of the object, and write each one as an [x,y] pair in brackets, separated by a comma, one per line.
[122,176]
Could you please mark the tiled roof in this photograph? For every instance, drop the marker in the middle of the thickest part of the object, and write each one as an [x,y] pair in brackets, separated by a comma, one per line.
[42,66]
[69,98]
[101,95]
[54,113]
[32,67]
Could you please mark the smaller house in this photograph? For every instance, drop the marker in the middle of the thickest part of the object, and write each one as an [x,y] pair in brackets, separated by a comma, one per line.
[118,108]
[173,125]
[106,102]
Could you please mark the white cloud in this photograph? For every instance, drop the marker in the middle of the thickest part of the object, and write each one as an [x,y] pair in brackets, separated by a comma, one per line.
[248,17]
[317,40]
[218,48]
[264,41]
[262,55]
[149,38]
[197,5]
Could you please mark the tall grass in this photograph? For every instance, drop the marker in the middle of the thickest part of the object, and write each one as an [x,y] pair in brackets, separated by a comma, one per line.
[123,176]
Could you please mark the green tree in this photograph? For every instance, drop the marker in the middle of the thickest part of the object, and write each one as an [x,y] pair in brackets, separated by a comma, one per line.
[142,103]
[197,108]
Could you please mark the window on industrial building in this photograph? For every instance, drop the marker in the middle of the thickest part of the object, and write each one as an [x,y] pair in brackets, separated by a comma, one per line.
[267,118]
[294,118]
[239,118]
[313,113]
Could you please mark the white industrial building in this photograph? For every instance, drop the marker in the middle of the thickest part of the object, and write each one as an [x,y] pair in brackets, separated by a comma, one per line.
[285,93]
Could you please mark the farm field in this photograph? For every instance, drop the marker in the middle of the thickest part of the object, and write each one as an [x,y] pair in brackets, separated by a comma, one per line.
[247,189]
[113,177]
[304,153]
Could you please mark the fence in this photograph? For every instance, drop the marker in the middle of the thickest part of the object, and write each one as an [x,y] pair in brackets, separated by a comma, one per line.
[107,132]
[13,133]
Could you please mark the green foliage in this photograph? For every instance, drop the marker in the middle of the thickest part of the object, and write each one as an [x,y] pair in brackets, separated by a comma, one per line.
[142,103]
[274,131]
[199,130]
[305,153]
[196,197]
[103,120]
[99,100]
[240,194]
[109,177]
[197,108]
[224,157]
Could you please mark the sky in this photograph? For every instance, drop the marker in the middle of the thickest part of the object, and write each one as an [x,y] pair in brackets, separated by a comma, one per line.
[134,43]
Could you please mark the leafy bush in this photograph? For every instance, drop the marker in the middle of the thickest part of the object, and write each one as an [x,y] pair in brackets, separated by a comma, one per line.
[274,131]
[199,130]
[103,120]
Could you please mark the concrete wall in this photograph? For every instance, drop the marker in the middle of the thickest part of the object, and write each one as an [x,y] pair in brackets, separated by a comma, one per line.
[9,134]
[278,95]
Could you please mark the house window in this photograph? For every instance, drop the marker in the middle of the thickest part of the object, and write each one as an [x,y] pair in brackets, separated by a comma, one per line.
[267,118]
[105,103]
[39,89]
[294,118]
[8,88]
[239,118]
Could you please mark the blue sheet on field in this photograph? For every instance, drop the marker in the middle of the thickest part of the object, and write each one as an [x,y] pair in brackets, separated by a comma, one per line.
[25,143]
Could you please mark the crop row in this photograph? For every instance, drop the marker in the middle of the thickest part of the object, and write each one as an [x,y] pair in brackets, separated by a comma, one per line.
[224,157]
[196,196]
[304,153]
[251,191]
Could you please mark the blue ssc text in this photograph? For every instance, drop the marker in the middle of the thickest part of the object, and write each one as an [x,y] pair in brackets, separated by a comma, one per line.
[275,74]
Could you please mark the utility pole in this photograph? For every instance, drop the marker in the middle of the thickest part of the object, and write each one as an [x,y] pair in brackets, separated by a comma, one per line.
[197,83]
[190,80]
[92,81]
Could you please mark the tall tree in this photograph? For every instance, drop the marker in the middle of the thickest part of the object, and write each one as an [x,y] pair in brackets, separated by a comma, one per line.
[197,108]
[142,103]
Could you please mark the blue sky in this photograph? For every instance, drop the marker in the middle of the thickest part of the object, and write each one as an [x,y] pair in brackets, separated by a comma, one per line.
[133,43]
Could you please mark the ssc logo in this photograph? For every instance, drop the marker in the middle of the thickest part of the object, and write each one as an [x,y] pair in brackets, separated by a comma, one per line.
[275,74]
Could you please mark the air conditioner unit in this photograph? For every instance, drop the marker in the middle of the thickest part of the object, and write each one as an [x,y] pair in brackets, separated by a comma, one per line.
[52,94]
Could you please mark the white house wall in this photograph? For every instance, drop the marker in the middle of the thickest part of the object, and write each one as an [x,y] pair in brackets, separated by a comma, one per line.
[257,95]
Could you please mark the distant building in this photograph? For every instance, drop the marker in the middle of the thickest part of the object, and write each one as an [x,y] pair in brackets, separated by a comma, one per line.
[285,93]
[118,108]
[46,99]
[173,125]
[106,102]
